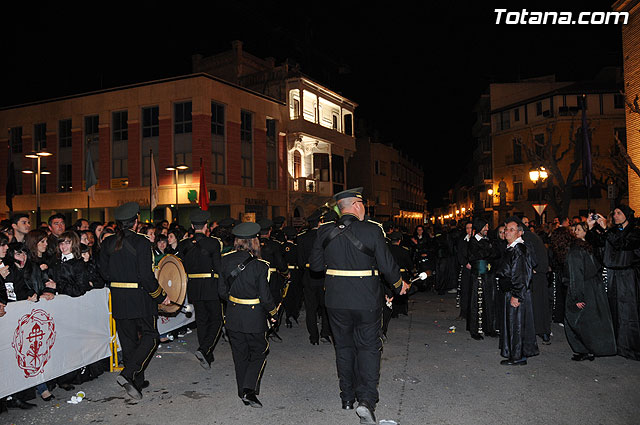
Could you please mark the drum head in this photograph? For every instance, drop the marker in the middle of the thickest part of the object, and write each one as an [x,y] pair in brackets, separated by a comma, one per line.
[173,279]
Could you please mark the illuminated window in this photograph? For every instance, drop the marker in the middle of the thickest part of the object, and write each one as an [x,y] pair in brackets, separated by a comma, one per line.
[309,106]
[329,114]
[294,104]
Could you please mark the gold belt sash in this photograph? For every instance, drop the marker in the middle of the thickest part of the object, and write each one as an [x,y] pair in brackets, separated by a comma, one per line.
[352,273]
[202,275]
[124,285]
[252,301]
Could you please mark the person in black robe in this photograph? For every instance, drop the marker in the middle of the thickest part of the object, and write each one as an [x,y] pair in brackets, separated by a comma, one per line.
[621,258]
[69,271]
[539,283]
[587,318]
[499,244]
[464,273]
[517,333]
[481,314]
[557,281]
[402,256]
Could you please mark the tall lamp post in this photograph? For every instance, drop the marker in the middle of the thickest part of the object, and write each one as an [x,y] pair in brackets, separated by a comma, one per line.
[38,172]
[538,176]
[177,168]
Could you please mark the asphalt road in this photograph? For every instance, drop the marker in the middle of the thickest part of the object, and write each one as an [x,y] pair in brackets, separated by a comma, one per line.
[428,376]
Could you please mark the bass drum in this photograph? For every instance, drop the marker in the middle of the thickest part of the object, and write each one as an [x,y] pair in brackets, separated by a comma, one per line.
[173,279]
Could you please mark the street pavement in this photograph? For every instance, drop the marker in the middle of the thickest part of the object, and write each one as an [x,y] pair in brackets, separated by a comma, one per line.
[429,375]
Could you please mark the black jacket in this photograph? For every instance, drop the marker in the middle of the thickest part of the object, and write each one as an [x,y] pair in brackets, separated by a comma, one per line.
[135,292]
[71,277]
[349,292]
[201,254]
[516,271]
[250,284]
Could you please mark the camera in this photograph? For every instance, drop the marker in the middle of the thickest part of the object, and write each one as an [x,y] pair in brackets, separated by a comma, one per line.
[594,217]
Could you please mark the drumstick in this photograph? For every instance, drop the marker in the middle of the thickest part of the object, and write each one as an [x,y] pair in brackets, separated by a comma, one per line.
[187,309]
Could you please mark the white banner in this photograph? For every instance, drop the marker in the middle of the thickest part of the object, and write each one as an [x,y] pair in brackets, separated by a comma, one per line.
[167,324]
[41,341]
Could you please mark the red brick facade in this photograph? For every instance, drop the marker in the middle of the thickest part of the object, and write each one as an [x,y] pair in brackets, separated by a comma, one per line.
[260,158]
[134,174]
[165,154]
[234,164]
[105,159]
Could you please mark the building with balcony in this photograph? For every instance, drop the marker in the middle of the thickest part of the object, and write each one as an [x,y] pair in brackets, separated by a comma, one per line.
[317,124]
[393,183]
[538,123]
[271,140]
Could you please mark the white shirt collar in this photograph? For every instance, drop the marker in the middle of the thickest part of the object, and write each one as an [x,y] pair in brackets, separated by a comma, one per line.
[66,257]
[479,237]
[517,241]
[467,237]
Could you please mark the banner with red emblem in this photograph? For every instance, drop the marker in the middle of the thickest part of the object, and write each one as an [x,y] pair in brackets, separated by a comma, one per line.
[46,339]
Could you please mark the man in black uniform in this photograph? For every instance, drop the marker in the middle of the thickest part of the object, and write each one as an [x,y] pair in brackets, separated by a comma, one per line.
[271,251]
[201,258]
[402,255]
[313,284]
[293,298]
[126,261]
[277,233]
[353,253]
[244,284]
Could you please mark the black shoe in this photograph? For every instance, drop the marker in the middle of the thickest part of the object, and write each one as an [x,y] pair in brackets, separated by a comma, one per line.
[348,404]
[144,385]
[546,339]
[314,342]
[365,412]
[203,361]
[129,387]
[513,363]
[325,340]
[583,356]
[249,398]
[67,387]
[14,402]
[477,337]
[48,398]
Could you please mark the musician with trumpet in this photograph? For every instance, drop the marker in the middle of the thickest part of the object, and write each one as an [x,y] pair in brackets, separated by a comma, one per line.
[126,261]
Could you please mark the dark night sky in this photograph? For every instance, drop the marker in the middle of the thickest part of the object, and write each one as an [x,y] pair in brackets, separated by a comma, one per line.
[415,71]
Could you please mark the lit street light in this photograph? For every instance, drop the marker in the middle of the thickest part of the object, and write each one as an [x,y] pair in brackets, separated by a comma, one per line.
[38,173]
[177,168]
[538,176]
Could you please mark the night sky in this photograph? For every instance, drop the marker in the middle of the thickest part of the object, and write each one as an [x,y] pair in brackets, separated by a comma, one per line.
[415,71]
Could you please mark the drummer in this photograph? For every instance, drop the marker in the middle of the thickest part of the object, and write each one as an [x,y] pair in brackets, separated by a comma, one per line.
[245,285]
[126,262]
[201,258]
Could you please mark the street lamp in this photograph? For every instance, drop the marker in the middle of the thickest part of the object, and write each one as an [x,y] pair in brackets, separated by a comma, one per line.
[538,176]
[39,172]
[177,168]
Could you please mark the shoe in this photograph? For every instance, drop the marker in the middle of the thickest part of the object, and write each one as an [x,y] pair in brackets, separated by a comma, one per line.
[513,363]
[314,342]
[129,387]
[47,398]
[365,412]
[477,337]
[348,404]
[24,405]
[287,323]
[325,340]
[452,291]
[67,387]
[249,398]
[203,361]
[546,339]
[145,384]
[583,356]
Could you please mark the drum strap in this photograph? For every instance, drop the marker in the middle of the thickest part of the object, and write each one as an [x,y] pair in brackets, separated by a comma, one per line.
[343,229]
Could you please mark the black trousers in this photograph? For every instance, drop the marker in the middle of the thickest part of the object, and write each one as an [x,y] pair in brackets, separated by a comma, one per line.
[387,314]
[294,295]
[314,304]
[358,346]
[249,352]
[139,339]
[208,325]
